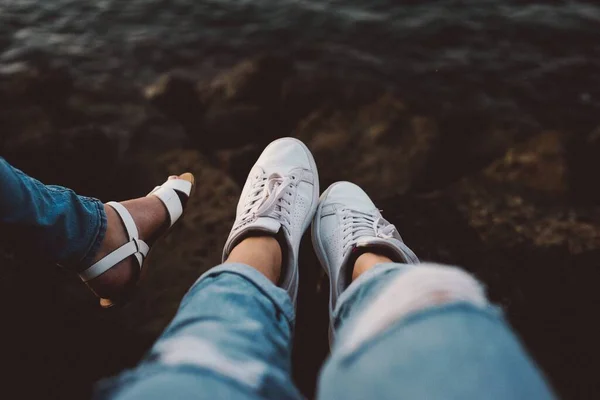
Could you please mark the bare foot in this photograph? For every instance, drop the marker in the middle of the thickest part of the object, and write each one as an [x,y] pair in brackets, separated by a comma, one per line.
[151,218]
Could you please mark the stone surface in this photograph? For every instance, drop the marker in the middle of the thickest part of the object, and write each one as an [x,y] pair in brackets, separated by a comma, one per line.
[584,163]
[240,106]
[380,146]
[515,204]
[539,163]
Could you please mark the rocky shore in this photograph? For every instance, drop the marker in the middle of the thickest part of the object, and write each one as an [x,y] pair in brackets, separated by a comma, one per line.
[513,201]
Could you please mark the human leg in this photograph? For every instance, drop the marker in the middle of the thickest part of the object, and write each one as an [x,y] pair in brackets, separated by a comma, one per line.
[56,224]
[408,330]
[231,337]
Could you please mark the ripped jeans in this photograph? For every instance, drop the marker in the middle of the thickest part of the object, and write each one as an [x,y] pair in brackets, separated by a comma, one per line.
[402,332]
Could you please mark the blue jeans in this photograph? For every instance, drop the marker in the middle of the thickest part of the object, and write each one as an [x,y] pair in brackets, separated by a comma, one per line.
[402,332]
[51,221]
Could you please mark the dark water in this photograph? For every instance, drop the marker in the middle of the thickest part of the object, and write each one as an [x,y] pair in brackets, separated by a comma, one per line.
[540,59]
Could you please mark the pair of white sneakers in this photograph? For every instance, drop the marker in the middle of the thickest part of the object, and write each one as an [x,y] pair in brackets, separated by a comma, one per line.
[281,197]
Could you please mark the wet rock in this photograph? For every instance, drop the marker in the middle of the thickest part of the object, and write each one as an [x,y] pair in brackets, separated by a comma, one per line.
[240,106]
[539,163]
[82,158]
[46,84]
[380,146]
[584,164]
[4,41]
[74,135]
[176,96]
[258,81]
[259,100]
[472,135]
[509,218]
[237,162]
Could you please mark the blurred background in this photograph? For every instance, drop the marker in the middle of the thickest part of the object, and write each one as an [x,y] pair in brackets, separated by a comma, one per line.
[474,124]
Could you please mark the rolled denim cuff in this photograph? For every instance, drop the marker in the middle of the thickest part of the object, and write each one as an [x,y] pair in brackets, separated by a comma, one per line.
[99,225]
[278,296]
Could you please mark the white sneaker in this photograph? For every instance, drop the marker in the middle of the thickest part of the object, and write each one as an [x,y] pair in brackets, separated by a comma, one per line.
[346,220]
[281,194]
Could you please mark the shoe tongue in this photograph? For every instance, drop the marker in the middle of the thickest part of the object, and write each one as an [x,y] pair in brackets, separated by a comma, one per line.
[265,224]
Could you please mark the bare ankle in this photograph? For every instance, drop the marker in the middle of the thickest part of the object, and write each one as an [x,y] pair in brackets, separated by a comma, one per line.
[149,215]
[113,281]
[262,253]
[366,261]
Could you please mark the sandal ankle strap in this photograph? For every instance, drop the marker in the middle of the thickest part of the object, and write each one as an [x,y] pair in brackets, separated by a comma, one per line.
[135,247]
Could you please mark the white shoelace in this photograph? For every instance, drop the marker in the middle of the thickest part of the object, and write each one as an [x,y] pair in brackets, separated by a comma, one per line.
[357,224]
[269,197]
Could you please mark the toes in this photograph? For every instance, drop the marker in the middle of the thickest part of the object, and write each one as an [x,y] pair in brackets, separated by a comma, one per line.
[187,177]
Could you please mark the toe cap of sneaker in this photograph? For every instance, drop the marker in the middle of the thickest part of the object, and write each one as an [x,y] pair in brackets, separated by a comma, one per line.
[347,194]
[283,155]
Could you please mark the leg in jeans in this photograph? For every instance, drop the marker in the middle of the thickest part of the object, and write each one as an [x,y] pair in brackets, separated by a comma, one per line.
[405,330]
[75,231]
[231,338]
[425,332]
[53,221]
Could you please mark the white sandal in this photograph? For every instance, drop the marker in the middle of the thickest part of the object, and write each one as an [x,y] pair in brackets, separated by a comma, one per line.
[169,193]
